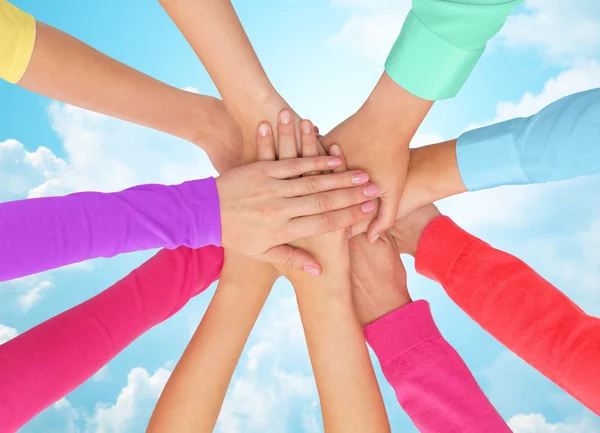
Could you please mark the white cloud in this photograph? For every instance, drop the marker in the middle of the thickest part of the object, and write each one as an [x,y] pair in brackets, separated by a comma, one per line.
[191,89]
[134,404]
[372,27]
[7,333]
[101,154]
[265,396]
[536,423]
[34,294]
[101,375]
[68,415]
[424,139]
[584,75]
[561,30]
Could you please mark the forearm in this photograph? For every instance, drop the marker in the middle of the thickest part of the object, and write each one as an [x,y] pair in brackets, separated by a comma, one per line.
[348,390]
[194,394]
[45,233]
[68,70]
[216,35]
[517,306]
[44,364]
[433,384]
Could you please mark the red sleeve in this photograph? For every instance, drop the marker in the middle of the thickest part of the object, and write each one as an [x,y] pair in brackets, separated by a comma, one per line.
[517,306]
[44,364]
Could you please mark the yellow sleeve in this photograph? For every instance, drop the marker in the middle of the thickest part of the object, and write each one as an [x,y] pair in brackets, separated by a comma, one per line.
[17,38]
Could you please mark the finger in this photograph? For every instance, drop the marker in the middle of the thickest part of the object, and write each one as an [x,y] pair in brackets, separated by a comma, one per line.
[292,258]
[314,225]
[316,129]
[336,150]
[362,226]
[290,168]
[330,201]
[325,182]
[386,218]
[286,135]
[308,141]
[265,142]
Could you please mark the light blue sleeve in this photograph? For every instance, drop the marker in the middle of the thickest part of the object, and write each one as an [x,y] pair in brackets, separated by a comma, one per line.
[560,142]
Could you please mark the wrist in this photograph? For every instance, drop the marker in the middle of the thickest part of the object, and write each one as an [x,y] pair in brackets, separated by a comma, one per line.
[394,108]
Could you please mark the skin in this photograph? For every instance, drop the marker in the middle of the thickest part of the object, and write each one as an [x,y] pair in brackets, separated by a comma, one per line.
[378,278]
[63,67]
[376,138]
[348,389]
[408,230]
[264,206]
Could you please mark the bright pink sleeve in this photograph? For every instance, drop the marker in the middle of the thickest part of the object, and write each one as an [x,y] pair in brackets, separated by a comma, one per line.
[433,384]
[44,364]
[517,306]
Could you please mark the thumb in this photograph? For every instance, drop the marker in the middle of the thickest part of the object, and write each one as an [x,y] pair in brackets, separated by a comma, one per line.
[386,218]
[289,257]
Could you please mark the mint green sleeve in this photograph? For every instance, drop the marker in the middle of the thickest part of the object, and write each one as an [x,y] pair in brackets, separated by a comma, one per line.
[441,42]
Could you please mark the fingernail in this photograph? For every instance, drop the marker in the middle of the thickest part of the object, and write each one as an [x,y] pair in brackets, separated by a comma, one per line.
[360,178]
[306,128]
[370,190]
[285,117]
[334,162]
[348,233]
[374,239]
[367,207]
[335,150]
[312,270]
[263,130]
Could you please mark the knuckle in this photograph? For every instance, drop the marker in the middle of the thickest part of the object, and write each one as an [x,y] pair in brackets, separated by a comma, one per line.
[323,203]
[328,222]
[312,185]
[289,261]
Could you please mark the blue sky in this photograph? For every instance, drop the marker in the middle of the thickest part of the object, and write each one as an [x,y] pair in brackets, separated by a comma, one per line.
[324,56]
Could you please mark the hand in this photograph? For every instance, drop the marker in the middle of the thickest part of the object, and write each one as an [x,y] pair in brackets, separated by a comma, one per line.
[262,209]
[331,247]
[407,231]
[378,277]
[376,139]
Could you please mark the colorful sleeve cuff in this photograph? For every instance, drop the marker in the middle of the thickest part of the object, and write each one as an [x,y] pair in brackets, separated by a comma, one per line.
[488,157]
[440,245]
[426,65]
[208,229]
[400,331]
[17,39]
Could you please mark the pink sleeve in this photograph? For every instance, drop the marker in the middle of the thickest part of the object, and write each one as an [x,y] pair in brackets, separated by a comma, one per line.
[42,365]
[517,306]
[433,384]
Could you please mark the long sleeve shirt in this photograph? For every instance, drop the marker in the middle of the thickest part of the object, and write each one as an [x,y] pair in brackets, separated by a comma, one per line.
[17,38]
[517,306]
[45,233]
[42,365]
[560,142]
[433,384]
[441,42]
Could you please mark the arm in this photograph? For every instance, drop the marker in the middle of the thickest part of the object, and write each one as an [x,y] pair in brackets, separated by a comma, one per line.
[441,42]
[46,233]
[215,33]
[512,302]
[47,61]
[433,384]
[557,143]
[348,390]
[44,364]
[194,394]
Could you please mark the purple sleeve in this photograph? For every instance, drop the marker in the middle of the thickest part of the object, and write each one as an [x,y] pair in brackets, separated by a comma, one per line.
[46,233]
[433,384]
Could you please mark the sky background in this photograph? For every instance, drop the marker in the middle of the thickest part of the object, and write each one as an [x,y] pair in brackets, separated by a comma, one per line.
[324,56]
